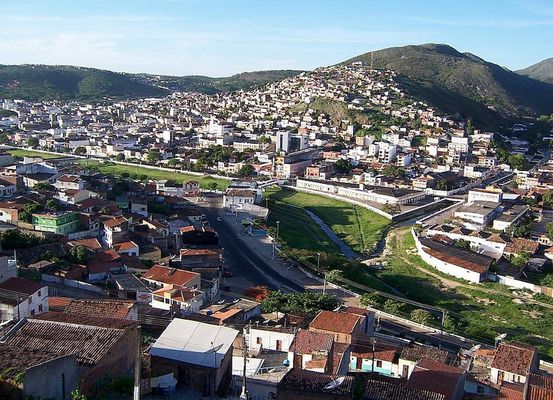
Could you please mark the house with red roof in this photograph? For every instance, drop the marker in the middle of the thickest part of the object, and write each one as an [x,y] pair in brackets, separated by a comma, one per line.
[101,264]
[345,326]
[160,276]
[513,362]
[21,298]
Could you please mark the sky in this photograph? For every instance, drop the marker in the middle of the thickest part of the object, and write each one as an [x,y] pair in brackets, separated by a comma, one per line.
[224,37]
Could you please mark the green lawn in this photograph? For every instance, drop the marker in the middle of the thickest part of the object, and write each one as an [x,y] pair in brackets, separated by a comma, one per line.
[358,227]
[298,230]
[477,314]
[179,177]
[29,153]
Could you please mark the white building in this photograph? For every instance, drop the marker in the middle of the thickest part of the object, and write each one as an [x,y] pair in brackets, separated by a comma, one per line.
[269,338]
[20,298]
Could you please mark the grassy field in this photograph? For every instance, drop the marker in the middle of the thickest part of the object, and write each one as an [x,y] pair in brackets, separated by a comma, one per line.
[119,170]
[297,229]
[478,312]
[29,153]
[358,227]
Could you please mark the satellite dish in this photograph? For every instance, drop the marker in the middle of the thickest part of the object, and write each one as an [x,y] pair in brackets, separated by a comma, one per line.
[335,383]
[500,337]
[475,348]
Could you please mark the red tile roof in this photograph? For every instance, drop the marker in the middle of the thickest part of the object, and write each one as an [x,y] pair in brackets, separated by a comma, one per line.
[20,285]
[338,322]
[514,357]
[100,307]
[540,387]
[435,377]
[169,276]
[314,382]
[124,246]
[511,391]
[91,244]
[309,342]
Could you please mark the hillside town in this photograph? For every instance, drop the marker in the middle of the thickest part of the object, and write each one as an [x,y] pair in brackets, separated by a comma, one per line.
[139,253]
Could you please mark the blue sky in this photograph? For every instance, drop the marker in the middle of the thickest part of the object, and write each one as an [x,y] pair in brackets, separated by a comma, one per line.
[222,37]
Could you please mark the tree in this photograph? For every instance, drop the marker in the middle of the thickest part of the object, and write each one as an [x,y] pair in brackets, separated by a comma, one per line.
[212,186]
[370,299]
[391,208]
[77,395]
[520,259]
[462,244]
[343,166]
[392,307]
[517,161]
[120,157]
[441,184]
[469,128]
[421,316]
[26,214]
[264,139]
[51,205]
[549,229]
[395,171]
[77,254]
[333,275]
[4,139]
[298,303]
[44,187]
[246,170]
[172,162]
[153,156]
[80,151]
[32,141]
[548,199]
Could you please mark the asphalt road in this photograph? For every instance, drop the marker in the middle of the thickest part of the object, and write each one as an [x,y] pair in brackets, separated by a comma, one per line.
[245,262]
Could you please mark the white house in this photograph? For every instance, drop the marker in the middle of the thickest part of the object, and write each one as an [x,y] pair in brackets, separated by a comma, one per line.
[235,197]
[269,338]
[513,362]
[20,298]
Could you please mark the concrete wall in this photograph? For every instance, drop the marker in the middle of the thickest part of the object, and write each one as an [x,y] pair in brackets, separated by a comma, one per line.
[50,379]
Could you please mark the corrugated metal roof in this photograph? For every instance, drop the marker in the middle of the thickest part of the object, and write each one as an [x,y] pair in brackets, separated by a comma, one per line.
[194,342]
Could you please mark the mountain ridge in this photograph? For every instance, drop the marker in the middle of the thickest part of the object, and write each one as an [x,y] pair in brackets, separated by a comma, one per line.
[66,82]
[462,82]
[542,70]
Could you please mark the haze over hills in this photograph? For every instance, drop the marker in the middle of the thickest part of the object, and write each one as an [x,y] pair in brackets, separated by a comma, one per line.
[542,71]
[463,83]
[45,82]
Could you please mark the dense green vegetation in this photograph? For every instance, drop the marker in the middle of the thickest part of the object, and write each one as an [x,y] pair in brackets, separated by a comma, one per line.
[41,82]
[45,82]
[463,83]
[358,227]
[309,303]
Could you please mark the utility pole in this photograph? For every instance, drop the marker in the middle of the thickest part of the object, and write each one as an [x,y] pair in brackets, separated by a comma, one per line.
[244,394]
[444,313]
[137,368]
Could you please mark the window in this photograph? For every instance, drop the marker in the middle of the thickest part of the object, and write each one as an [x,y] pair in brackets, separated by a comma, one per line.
[39,293]
[32,312]
[30,300]
[279,345]
[378,364]
[259,341]
[40,308]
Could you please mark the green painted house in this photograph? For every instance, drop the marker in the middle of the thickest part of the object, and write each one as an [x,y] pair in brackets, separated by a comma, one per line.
[60,223]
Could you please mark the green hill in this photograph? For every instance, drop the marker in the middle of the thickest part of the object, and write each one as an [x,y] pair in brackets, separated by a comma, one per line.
[45,82]
[462,83]
[207,85]
[542,71]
